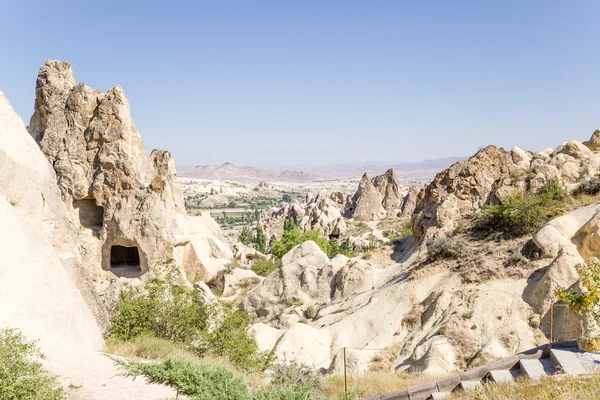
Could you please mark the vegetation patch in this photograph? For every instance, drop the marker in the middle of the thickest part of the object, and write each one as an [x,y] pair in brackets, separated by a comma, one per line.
[444,247]
[172,312]
[22,376]
[265,267]
[522,213]
[293,236]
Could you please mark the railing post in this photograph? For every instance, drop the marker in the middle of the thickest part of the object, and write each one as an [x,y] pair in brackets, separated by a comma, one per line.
[345,377]
[551,326]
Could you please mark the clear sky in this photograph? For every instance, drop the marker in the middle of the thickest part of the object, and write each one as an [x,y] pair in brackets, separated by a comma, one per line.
[317,82]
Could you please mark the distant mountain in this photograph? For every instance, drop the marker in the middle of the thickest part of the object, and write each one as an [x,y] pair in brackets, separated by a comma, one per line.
[230,172]
[421,170]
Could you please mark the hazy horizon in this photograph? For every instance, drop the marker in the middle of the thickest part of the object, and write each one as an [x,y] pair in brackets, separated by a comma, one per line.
[322,83]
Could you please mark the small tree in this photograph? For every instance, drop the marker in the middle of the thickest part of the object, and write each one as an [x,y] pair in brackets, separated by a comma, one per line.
[246,236]
[22,376]
[261,239]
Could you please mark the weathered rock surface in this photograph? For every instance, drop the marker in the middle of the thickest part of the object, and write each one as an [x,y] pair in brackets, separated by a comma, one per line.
[319,213]
[410,200]
[493,173]
[366,203]
[43,278]
[128,201]
[389,191]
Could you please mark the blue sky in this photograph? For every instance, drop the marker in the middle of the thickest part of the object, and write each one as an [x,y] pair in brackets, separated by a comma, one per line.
[319,82]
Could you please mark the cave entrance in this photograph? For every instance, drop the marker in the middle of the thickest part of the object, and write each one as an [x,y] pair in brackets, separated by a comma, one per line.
[125,261]
[91,215]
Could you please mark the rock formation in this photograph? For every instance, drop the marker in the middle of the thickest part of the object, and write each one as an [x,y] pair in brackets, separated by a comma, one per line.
[493,173]
[319,213]
[366,203]
[410,200]
[128,203]
[44,278]
[389,191]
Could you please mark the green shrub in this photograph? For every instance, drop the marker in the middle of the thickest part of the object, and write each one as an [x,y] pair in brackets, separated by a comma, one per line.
[334,247]
[293,236]
[168,311]
[245,236]
[196,380]
[260,242]
[590,186]
[522,213]
[368,255]
[265,267]
[22,376]
[291,381]
[199,381]
[445,248]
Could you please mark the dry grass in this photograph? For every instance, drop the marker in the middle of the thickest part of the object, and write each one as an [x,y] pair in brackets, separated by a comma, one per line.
[357,228]
[370,384]
[566,388]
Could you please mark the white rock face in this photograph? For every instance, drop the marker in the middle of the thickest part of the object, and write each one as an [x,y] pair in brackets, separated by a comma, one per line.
[130,209]
[319,213]
[493,173]
[566,241]
[42,275]
[366,203]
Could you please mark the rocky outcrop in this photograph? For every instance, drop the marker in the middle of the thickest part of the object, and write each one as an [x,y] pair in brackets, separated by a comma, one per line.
[45,289]
[389,191]
[565,242]
[493,173]
[366,203]
[410,200]
[313,307]
[307,280]
[127,201]
[319,213]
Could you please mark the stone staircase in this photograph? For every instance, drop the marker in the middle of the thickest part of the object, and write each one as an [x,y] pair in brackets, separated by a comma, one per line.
[561,358]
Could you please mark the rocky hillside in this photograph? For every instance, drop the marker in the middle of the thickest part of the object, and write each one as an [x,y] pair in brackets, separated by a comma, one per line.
[455,298]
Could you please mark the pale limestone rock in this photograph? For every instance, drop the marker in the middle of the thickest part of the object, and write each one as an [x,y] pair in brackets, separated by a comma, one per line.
[410,200]
[206,296]
[318,213]
[366,203]
[389,191]
[129,205]
[594,142]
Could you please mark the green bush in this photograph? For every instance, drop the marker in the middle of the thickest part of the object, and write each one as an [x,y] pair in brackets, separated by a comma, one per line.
[173,312]
[265,267]
[245,236]
[195,380]
[590,186]
[522,213]
[199,381]
[445,248]
[22,376]
[260,242]
[293,236]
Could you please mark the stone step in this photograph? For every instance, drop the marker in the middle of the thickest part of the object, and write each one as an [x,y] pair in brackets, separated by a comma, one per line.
[568,361]
[532,368]
[470,385]
[501,376]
